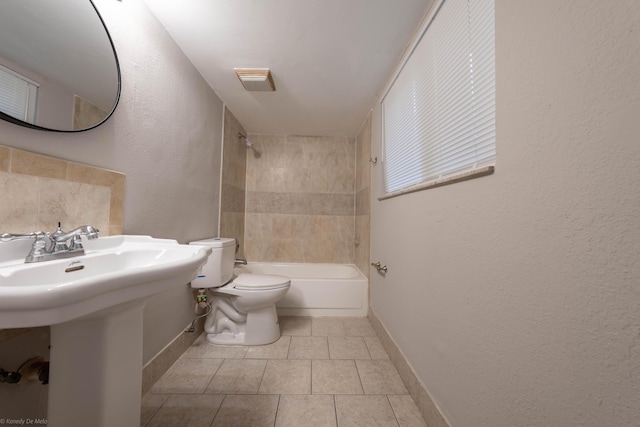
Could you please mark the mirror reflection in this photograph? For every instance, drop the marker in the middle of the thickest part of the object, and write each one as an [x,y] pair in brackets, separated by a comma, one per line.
[58,68]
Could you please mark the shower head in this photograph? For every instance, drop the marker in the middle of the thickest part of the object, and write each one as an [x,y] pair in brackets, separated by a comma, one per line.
[246,140]
[249,145]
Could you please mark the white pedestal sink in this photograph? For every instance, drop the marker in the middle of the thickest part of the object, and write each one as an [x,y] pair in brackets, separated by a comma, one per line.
[94,304]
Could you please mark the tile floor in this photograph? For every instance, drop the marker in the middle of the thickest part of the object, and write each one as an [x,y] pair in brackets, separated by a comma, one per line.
[321,372]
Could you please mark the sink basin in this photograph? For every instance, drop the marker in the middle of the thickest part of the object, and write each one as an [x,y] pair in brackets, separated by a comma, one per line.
[94,305]
[113,270]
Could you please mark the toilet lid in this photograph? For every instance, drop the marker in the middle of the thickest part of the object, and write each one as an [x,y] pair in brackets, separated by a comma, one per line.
[260,281]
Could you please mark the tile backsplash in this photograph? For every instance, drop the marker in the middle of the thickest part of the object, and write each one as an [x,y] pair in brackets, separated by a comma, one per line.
[40,191]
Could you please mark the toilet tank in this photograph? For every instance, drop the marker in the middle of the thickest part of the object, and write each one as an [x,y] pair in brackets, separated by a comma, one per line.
[219,267]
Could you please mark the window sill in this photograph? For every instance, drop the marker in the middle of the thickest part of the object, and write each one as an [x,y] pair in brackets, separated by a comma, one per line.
[450,179]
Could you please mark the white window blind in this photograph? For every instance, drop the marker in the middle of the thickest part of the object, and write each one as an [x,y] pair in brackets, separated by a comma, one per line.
[439,113]
[18,96]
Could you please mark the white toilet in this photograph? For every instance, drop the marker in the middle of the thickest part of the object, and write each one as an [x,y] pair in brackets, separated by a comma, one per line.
[243,307]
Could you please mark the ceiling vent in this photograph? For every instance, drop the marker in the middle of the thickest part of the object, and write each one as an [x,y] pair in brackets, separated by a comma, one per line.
[256,79]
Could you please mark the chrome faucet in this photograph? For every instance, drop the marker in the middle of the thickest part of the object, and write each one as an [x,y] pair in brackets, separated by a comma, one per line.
[56,245]
[241,262]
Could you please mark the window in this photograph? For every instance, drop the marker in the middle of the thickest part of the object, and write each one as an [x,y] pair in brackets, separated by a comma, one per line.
[18,95]
[439,113]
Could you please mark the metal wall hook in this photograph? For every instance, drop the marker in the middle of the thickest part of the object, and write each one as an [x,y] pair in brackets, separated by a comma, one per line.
[373,160]
[380,268]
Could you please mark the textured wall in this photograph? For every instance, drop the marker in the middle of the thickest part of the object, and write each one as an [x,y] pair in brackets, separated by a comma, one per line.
[515,296]
[165,136]
[234,177]
[300,199]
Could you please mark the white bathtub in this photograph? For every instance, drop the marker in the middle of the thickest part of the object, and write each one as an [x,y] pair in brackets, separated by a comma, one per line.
[318,289]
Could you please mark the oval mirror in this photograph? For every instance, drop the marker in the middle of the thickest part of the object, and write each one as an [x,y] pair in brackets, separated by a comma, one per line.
[58,66]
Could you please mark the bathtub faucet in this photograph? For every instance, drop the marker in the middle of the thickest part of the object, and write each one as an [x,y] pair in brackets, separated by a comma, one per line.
[241,261]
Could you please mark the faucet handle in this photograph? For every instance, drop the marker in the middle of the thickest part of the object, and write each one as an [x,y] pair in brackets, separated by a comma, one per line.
[75,244]
[8,237]
[39,248]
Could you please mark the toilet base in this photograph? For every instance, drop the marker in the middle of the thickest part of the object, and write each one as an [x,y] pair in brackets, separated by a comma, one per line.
[261,327]
[226,338]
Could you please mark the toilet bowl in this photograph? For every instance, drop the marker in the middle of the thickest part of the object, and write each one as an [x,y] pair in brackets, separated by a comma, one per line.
[243,307]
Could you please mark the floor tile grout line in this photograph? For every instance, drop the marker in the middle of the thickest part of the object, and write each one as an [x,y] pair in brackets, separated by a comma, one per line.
[213,376]
[359,378]
[361,333]
[218,410]
[262,377]
[393,410]
[275,419]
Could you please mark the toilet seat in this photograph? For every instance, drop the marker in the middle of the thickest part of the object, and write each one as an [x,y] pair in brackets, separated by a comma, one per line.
[242,308]
[259,282]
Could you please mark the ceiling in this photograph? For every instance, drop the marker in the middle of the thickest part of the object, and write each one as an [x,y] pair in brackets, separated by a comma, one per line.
[329,58]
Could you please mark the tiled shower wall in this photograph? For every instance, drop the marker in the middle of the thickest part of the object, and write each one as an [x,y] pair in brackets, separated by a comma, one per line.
[300,199]
[363,197]
[232,199]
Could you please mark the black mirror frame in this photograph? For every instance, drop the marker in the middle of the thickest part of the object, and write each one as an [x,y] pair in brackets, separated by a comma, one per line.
[19,122]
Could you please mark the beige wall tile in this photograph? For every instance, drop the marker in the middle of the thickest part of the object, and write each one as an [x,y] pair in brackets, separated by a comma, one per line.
[271,149]
[234,181]
[26,163]
[300,199]
[4,159]
[363,154]
[362,239]
[90,175]
[235,152]
[45,190]
[85,114]
[73,204]
[19,209]
[116,207]
[363,198]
